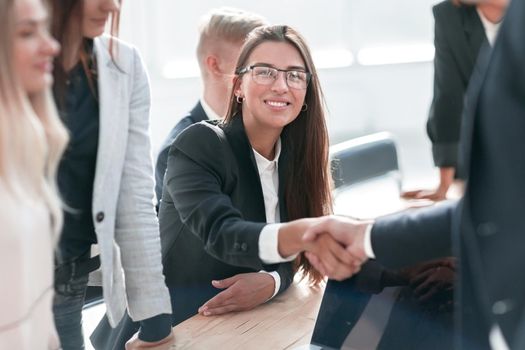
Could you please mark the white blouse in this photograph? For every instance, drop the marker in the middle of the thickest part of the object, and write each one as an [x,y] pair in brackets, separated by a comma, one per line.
[26,274]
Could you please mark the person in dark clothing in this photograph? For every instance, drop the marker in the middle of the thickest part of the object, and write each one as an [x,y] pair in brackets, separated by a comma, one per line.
[485,229]
[460,31]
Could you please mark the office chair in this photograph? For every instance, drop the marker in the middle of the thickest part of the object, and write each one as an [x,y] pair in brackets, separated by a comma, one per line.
[364,158]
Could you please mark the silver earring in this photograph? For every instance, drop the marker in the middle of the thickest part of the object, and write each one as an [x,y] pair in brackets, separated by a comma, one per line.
[304,107]
[239,99]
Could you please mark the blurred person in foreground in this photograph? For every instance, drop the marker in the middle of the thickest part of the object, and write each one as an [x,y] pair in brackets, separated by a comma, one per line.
[32,140]
[485,230]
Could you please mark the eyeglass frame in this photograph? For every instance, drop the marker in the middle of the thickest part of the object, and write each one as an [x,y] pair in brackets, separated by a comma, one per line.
[251,67]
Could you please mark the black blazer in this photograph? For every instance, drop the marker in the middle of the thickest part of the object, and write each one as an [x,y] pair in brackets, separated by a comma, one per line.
[196,115]
[212,210]
[459,35]
[486,228]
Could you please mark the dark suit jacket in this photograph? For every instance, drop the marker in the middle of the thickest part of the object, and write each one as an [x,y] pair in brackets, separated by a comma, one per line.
[487,227]
[212,210]
[459,35]
[196,115]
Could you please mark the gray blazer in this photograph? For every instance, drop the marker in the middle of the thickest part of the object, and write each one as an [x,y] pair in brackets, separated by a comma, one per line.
[123,211]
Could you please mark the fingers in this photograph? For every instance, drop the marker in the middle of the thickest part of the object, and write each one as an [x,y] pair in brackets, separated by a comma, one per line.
[221,299]
[433,281]
[420,277]
[315,230]
[316,263]
[220,310]
[225,283]
[243,292]
[433,195]
[410,194]
[330,266]
[426,296]
[332,253]
[334,260]
[425,286]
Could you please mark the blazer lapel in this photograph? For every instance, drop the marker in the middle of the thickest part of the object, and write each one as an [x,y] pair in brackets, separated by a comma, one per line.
[470,109]
[110,86]
[248,172]
[198,114]
[474,32]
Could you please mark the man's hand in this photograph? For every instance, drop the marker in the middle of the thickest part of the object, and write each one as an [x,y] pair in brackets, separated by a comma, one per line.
[333,260]
[433,282]
[241,292]
[348,232]
[136,344]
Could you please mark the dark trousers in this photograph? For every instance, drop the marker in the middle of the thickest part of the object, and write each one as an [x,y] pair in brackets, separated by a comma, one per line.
[67,309]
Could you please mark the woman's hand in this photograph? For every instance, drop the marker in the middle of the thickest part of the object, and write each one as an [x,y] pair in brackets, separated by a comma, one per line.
[333,244]
[331,258]
[241,292]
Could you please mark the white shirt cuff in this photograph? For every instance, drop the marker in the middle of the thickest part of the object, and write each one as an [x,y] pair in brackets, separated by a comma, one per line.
[276,279]
[268,245]
[496,339]
[368,242]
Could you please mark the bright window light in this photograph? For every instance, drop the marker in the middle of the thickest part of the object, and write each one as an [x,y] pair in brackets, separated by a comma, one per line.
[337,58]
[179,69]
[373,56]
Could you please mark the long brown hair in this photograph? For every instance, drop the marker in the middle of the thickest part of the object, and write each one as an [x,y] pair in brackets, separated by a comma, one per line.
[308,180]
[66,27]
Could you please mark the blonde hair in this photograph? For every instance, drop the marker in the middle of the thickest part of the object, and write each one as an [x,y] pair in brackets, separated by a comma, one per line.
[225,24]
[32,138]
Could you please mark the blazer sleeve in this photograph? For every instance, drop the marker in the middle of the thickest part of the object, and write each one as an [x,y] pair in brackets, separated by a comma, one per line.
[407,238]
[162,159]
[444,122]
[136,226]
[286,273]
[199,178]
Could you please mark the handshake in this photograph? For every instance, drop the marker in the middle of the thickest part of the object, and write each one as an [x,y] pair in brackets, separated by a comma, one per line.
[334,245]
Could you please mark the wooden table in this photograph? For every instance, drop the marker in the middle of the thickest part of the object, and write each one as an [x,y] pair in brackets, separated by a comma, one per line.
[285,322]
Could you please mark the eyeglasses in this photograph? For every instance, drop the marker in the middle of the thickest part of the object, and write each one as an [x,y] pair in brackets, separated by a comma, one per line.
[263,75]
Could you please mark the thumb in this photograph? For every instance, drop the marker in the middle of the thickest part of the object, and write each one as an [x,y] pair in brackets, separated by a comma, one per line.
[225,283]
[312,232]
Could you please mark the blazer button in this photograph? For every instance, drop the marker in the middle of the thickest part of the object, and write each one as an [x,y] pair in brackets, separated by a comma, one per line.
[244,247]
[236,246]
[100,216]
[501,307]
[487,229]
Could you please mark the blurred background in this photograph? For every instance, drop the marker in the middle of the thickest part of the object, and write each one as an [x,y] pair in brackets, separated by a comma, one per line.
[374,59]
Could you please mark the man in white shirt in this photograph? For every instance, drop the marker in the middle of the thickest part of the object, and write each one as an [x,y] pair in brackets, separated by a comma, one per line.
[221,35]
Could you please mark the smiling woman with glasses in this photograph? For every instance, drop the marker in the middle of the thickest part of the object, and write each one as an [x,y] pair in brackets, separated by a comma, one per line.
[232,188]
